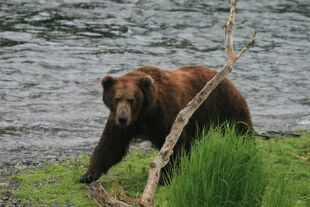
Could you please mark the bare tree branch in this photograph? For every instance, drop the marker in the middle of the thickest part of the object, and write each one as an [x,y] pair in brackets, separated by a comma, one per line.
[97,191]
[185,114]
[229,26]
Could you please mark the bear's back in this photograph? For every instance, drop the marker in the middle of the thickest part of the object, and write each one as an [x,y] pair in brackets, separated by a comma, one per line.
[178,86]
[182,75]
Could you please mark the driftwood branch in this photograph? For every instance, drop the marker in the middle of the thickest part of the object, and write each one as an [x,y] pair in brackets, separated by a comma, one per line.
[98,193]
[185,114]
[229,26]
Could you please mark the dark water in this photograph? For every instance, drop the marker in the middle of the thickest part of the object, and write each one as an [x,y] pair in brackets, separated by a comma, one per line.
[53,52]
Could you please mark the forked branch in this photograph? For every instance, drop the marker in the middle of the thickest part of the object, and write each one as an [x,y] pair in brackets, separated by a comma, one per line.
[185,114]
[103,198]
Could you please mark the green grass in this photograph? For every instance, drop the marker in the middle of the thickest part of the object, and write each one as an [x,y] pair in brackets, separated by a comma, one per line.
[57,183]
[53,184]
[286,162]
[222,170]
[277,193]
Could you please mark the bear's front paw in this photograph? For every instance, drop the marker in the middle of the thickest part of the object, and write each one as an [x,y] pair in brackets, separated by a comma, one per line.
[88,178]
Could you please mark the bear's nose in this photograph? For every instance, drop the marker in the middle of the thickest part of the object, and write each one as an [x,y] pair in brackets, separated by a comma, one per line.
[122,121]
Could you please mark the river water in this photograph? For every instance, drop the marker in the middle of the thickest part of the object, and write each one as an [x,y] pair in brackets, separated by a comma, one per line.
[53,52]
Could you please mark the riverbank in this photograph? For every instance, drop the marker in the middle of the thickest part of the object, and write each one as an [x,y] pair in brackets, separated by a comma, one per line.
[57,182]
[53,54]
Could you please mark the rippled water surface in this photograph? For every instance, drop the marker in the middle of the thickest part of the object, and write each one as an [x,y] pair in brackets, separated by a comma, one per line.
[52,54]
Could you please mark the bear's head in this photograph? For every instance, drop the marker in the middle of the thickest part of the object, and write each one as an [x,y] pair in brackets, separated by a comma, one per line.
[127,97]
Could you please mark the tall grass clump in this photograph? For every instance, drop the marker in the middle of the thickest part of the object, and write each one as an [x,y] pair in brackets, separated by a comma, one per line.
[223,169]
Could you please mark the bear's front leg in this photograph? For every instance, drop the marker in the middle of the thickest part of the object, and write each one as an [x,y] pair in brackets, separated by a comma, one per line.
[111,148]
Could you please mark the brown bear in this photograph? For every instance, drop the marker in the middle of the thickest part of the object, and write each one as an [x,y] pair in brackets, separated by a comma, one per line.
[145,102]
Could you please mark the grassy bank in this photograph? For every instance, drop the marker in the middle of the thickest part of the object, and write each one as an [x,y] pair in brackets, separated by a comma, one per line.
[56,184]
[289,159]
[286,161]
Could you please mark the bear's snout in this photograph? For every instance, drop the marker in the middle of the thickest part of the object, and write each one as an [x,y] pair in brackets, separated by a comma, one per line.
[123,115]
[122,121]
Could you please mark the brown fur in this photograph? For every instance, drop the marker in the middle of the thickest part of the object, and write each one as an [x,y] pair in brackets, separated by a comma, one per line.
[151,99]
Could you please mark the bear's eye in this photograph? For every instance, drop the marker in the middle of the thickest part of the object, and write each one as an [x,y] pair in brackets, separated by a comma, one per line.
[117,99]
[131,100]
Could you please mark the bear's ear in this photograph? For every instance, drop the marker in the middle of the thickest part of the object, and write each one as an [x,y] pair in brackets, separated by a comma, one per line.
[145,81]
[107,82]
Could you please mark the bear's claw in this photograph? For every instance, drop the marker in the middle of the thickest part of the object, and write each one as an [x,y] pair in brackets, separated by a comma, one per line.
[87,178]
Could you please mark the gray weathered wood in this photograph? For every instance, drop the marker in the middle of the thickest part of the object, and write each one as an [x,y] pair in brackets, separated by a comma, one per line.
[185,114]
[97,191]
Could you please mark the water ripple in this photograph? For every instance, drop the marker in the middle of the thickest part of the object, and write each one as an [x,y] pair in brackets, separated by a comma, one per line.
[53,54]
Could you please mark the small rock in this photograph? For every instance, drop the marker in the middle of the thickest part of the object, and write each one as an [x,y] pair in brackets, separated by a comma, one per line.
[7,194]
[4,184]
[15,201]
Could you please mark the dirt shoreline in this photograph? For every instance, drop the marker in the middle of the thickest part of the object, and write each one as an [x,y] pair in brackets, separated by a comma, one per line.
[36,156]
[54,155]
